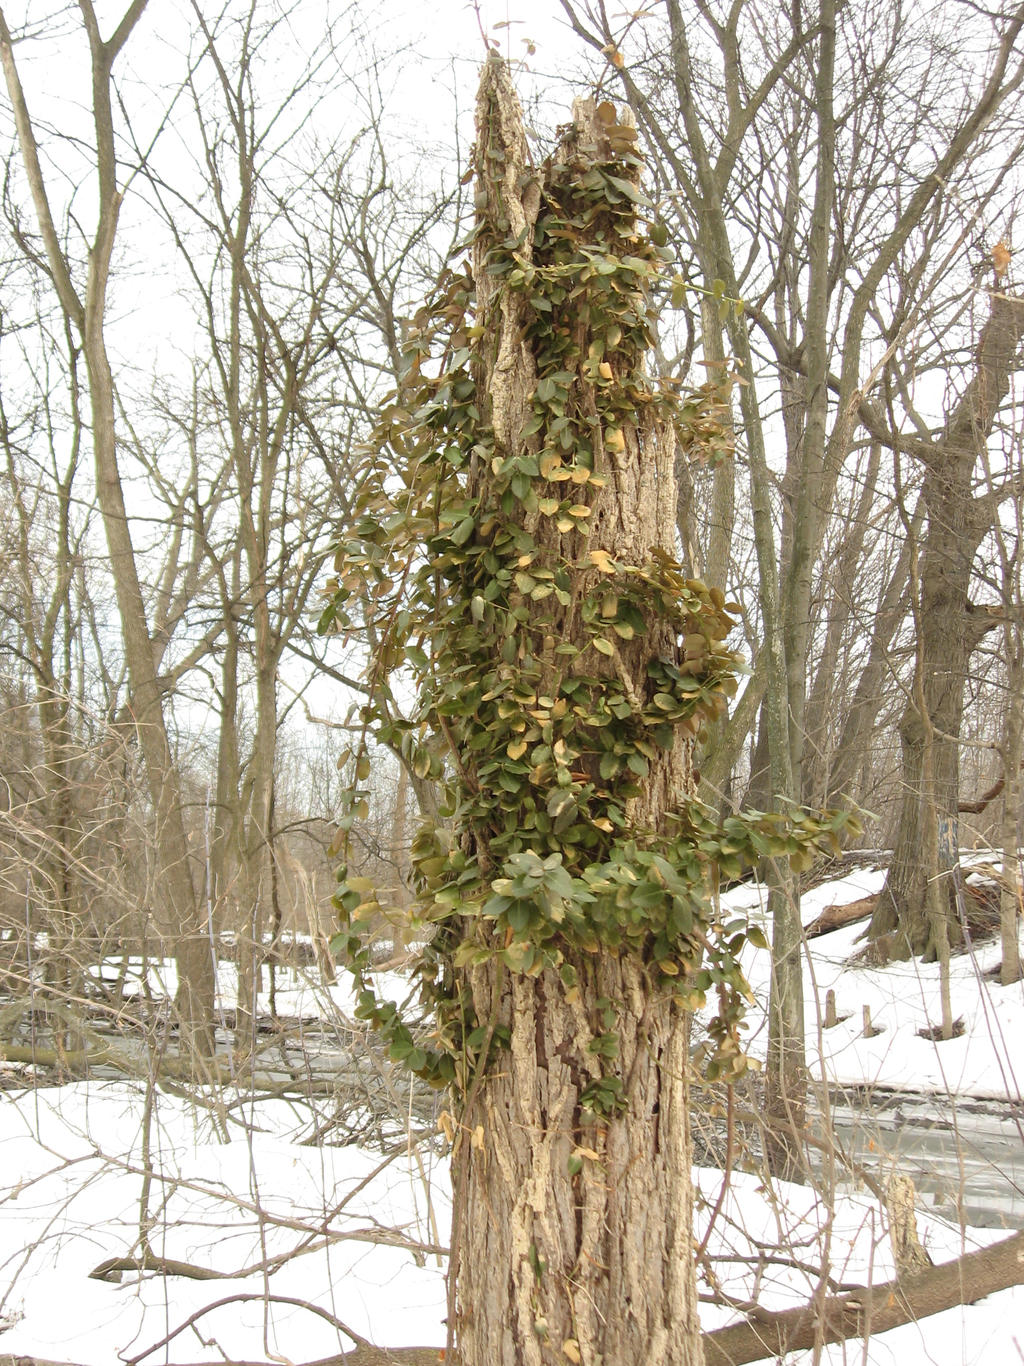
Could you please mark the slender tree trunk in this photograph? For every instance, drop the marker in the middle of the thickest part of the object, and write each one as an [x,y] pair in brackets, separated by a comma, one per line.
[1013,754]
[181,916]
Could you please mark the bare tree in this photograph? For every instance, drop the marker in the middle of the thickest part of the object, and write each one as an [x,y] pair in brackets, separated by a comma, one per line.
[299,254]
[83,301]
[949,627]
[836,255]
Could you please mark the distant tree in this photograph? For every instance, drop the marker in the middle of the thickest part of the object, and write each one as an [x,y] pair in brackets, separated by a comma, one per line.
[292,243]
[917,906]
[78,269]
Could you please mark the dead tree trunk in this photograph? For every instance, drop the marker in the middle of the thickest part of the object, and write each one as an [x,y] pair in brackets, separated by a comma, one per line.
[523,568]
[587,1211]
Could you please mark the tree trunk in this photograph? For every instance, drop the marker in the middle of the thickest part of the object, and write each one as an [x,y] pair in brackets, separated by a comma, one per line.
[1010,968]
[604,1261]
[949,629]
[572,1227]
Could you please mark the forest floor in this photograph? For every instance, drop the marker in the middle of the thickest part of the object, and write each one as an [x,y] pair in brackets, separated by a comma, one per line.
[298,1239]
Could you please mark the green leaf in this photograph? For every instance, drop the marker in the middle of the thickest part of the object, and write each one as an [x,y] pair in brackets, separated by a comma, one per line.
[519,915]
[461,533]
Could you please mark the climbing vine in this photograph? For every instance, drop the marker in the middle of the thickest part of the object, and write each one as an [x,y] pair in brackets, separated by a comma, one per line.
[552,673]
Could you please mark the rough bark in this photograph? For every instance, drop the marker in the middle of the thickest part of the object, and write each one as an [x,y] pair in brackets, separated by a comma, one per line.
[604,1260]
[550,1266]
[900,1199]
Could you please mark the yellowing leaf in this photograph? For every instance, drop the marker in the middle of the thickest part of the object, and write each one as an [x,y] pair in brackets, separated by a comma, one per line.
[614,439]
[571,1350]
[366,910]
[604,370]
[516,749]
[549,462]
[421,763]
[602,561]
[579,510]
[549,506]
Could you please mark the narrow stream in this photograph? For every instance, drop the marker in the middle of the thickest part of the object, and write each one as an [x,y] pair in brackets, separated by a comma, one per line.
[965,1156]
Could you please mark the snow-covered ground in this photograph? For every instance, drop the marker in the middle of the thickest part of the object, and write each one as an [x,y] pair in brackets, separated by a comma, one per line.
[985,1061]
[304,1237]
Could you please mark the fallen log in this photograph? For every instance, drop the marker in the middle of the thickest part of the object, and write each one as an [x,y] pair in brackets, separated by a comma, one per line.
[875,1309]
[77,1062]
[835,917]
[203,1072]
